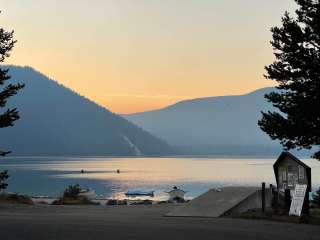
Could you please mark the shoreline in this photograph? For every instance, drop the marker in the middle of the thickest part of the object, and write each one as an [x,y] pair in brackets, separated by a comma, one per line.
[103,201]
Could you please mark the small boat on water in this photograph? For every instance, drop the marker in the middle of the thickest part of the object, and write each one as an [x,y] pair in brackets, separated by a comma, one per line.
[88,193]
[176,194]
[134,193]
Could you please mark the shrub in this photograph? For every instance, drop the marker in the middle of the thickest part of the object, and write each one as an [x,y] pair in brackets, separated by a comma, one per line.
[72,191]
[15,198]
[71,197]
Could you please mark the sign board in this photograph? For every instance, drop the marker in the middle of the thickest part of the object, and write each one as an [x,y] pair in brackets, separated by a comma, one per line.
[298,200]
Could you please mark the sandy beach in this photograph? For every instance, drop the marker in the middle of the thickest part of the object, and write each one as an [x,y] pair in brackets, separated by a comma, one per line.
[135,222]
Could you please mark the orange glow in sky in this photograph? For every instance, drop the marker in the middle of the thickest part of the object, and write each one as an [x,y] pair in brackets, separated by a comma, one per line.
[132,56]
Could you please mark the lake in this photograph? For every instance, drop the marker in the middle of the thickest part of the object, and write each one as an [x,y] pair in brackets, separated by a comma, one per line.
[50,175]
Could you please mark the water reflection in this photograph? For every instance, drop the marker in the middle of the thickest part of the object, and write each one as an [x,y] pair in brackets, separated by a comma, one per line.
[49,176]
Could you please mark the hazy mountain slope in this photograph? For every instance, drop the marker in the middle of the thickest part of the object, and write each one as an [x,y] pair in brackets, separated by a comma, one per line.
[57,121]
[215,121]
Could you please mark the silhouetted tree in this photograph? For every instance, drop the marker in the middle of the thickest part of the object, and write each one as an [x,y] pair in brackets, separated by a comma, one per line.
[296,47]
[9,115]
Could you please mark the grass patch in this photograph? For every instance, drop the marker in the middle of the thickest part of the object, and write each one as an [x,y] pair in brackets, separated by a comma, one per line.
[79,200]
[281,216]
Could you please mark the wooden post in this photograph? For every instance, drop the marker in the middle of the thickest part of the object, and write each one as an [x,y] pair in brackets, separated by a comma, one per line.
[263,197]
[271,195]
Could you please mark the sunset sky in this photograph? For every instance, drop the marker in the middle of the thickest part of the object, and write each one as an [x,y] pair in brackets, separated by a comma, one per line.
[137,55]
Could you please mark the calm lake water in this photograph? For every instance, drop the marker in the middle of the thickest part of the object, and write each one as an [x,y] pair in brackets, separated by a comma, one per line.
[50,175]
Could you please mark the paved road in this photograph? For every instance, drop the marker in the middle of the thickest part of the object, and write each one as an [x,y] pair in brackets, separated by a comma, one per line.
[136,222]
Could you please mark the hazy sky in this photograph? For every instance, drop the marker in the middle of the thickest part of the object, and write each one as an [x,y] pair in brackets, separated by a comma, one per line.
[135,55]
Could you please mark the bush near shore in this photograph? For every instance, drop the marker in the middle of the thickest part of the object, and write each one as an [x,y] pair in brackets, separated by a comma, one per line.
[71,197]
[15,198]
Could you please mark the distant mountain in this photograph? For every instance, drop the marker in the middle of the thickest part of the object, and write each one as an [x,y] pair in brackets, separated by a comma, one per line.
[57,121]
[213,125]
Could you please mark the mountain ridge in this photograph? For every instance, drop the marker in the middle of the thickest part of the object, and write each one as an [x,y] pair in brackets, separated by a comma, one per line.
[221,122]
[265,89]
[56,120]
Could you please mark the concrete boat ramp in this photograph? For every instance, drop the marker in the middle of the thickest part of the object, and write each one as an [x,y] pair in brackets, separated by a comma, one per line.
[216,203]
